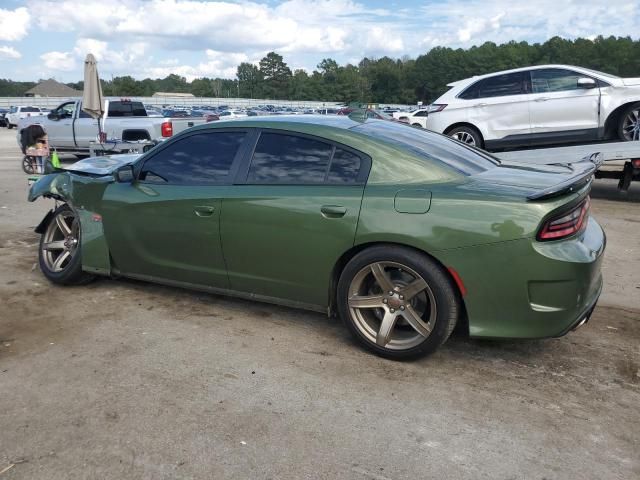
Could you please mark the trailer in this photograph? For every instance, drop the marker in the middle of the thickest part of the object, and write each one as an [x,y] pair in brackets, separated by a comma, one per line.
[621,160]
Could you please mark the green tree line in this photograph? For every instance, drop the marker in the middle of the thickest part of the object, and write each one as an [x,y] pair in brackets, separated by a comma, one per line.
[381,80]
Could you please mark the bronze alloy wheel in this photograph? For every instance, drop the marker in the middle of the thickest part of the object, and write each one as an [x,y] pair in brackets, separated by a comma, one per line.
[392,305]
[60,241]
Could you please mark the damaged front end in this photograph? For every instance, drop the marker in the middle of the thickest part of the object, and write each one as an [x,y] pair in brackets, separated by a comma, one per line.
[82,187]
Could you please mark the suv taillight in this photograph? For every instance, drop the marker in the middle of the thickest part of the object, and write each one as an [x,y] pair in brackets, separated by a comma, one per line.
[565,224]
[166,129]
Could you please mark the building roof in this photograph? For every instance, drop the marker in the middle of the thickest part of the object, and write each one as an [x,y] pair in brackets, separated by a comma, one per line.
[51,88]
[170,94]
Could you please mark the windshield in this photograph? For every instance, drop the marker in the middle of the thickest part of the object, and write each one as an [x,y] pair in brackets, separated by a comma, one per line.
[433,146]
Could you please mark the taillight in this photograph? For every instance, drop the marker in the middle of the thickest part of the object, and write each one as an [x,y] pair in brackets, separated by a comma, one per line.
[166,129]
[436,107]
[566,224]
[635,162]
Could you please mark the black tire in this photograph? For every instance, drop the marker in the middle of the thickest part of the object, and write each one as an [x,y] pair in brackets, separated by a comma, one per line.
[634,135]
[444,293]
[9,126]
[467,135]
[416,125]
[71,273]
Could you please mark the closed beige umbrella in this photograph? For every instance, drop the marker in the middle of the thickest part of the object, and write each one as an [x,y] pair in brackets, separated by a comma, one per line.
[92,100]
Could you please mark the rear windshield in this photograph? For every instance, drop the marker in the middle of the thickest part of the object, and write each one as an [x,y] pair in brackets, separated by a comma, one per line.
[126,109]
[433,146]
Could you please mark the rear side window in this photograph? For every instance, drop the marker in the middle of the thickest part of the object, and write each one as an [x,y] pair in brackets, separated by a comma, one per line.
[199,159]
[498,86]
[345,167]
[30,109]
[282,158]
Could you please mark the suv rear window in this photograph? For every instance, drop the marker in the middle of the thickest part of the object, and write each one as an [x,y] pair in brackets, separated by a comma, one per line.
[497,86]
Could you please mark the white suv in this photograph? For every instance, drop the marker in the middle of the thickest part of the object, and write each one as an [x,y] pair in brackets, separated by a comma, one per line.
[546,104]
[417,118]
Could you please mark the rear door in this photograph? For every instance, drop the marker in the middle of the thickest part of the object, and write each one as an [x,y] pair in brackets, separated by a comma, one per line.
[166,224]
[85,129]
[499,107]
[292,217]
[560,111]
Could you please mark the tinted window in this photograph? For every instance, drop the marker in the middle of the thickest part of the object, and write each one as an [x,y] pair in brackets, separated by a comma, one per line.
[430,145]
[282,158]
[345,167]
[126,109]
[554,80]
[421,113]
[30,109]
[498,86]
[200,159]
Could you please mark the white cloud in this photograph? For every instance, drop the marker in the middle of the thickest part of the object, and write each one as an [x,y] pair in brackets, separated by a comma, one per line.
[61,61]
[216,64]
[9,52]
[90,45]
[134,37]
[14,24]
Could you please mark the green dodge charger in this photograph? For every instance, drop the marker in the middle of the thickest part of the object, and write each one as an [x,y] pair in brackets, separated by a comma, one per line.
[401,232]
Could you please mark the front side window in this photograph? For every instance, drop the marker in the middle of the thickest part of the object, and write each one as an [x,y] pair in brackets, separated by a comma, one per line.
[199,159]
[67,109]
[280,158]
[548,80]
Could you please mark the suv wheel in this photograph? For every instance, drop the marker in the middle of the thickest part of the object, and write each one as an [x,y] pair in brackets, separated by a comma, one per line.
[629,125]
[467,135]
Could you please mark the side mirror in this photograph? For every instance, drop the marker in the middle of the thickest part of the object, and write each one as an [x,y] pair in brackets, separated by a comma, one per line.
[53,116]
[587,83]
[124,174]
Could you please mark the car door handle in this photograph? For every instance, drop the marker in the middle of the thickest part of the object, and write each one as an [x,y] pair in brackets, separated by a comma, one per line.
[204,210]
[541,99]
[333,211]
[480,105]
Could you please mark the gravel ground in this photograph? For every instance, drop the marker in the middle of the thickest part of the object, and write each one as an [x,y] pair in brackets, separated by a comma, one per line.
[121,379]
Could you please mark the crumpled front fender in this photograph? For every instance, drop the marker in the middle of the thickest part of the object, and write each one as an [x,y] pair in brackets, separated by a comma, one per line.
[55,185]
[83,193]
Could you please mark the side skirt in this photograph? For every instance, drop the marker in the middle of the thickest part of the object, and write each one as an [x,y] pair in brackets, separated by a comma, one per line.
[224,292]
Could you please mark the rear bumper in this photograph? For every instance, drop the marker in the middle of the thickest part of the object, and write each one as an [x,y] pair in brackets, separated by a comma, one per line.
[529,289]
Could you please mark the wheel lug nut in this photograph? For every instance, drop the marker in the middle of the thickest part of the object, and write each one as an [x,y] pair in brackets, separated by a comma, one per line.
[391,293]
[384,300]
[401,307]
[392,310]
[401,297]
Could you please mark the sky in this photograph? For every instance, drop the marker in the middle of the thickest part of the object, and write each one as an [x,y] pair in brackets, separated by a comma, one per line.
[196,38]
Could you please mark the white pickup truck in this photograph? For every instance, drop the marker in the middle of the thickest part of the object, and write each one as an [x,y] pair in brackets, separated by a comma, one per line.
[71,130]
[21,112]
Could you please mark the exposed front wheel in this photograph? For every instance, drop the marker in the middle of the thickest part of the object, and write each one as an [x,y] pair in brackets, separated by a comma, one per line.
[397,302]
[467,135]
[629,125]
[59,252]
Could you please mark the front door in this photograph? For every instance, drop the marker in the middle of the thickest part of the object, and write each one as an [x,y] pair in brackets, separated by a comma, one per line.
[560,110]
[285,228]
[60,129]
[166,224]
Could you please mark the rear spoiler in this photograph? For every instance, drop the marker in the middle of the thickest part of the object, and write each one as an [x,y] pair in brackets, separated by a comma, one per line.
[589,165]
